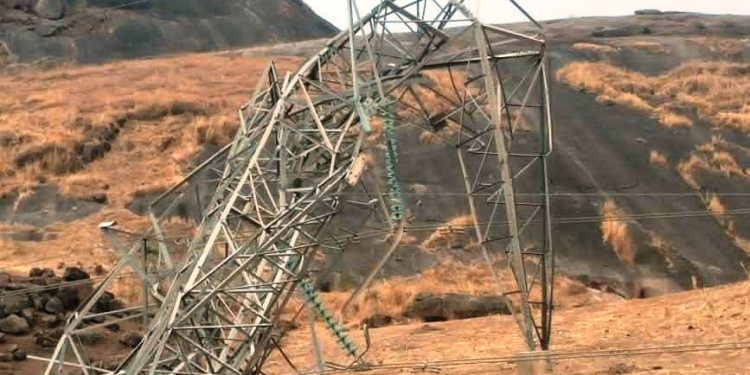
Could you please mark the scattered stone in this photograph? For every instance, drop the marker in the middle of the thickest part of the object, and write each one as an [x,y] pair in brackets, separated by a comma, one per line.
[425,328]
[49,9]
[14,304]
[99,198]
[376,321]
[113,327]
[621,369]
[19,355]
[99,270]
[28,314]
[48,321]
[39,301]
[46,341]
[92,336]
[46,30]
[54,306]
[105,302]
[131,339]
[6,138]
[14,325]
[75,274]
[35,272]
[69,297]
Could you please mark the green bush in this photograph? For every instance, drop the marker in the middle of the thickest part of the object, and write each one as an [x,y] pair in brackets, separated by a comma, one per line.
[699,25]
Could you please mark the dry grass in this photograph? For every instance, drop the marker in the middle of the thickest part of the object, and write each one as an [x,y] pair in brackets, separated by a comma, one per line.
[718,90]
[651,47]
[164,110]
[658,159]
[662,246]
[727,48]
[713,156]
[591,47]
[616,232]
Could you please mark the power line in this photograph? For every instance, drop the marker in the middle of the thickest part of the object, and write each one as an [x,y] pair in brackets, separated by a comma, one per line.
[536,356]
[420,227]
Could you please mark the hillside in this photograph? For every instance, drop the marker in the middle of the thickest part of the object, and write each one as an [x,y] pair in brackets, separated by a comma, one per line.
[652,148]
[57,31]
[646,124]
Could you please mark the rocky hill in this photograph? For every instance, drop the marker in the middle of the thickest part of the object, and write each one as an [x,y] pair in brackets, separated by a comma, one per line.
[104,30]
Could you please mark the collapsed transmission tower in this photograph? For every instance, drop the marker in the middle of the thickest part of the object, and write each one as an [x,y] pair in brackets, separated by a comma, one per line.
[300,145]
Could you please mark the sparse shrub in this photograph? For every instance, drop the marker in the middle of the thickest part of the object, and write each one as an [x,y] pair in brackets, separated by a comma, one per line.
[646,31]
[700,26]
[616,232]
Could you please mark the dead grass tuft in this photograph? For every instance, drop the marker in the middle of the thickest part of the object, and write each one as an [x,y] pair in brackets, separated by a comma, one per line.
[456,231]
[651,47]
[616,232]
[591,47]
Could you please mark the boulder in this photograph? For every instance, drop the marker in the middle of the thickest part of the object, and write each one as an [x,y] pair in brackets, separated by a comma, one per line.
[430,307]
[50,9]
[93,150]
[426,306]
[105,303]
[131,339]
[28,314]
[75,274]
[92,336]
[54,306]
[15,325]
[19,355]
[376,321]
[39,301]
[14,304]
[46,341]
[463,306]
[48,321]
[70,297]
[35,272]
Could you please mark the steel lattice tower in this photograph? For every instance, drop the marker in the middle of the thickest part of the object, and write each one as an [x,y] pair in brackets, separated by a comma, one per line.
[299,146]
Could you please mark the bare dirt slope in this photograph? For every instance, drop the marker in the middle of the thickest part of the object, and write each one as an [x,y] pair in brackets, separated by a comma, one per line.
[717,315]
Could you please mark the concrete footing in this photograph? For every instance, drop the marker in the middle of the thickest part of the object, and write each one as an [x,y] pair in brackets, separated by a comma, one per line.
[534,363]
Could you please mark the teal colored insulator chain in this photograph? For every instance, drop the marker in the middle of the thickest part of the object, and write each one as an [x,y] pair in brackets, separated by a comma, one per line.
[312,298]
[391,160]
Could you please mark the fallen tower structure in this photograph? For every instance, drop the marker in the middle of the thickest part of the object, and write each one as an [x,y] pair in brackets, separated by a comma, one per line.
[300,145]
